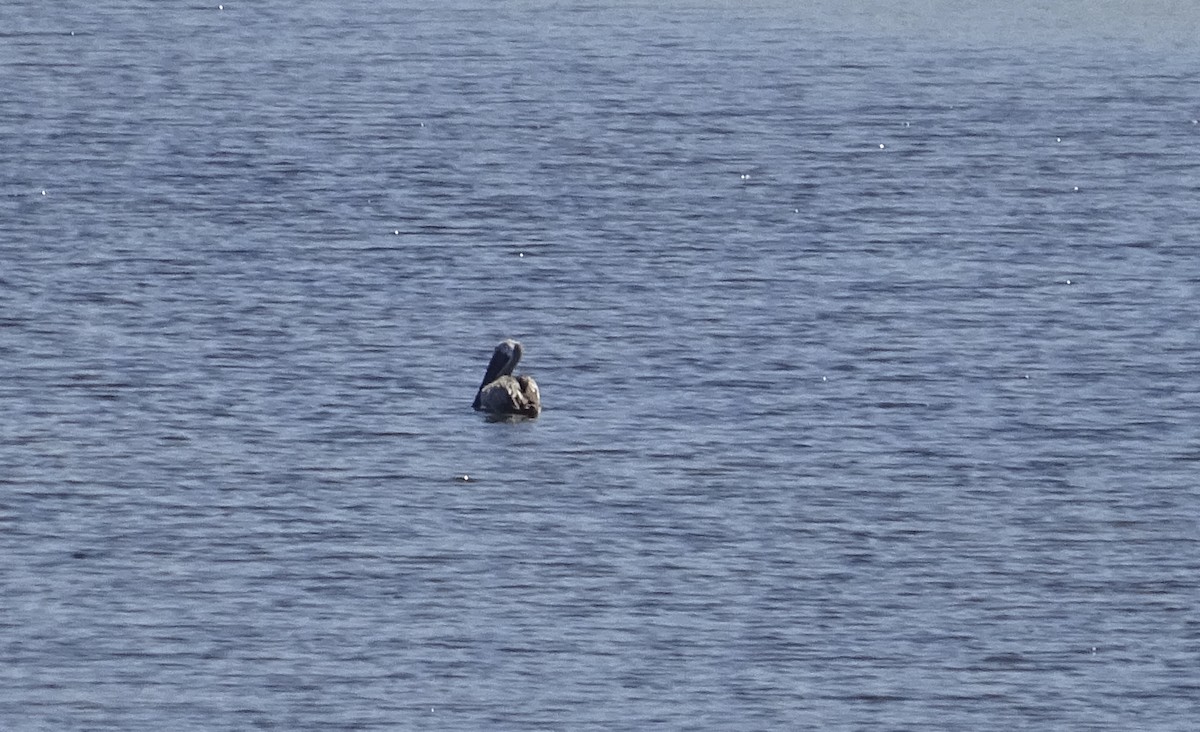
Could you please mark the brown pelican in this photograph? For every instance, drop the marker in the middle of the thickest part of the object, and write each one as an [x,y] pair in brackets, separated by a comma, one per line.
[503,394]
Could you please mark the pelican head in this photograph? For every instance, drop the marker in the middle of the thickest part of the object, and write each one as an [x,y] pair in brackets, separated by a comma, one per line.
[500,393]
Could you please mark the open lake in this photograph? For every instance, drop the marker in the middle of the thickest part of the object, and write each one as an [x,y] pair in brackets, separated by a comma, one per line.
[867,338]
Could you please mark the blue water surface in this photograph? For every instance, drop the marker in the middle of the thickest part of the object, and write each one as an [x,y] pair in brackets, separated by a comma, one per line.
[866,337]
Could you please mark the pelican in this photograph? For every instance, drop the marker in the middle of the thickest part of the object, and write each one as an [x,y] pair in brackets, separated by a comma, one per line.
[503,394]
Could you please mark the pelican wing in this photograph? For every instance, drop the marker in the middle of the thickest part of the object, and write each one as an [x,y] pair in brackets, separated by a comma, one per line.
[508,395]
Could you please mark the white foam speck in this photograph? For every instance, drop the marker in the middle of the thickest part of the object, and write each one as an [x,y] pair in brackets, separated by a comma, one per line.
[43,191]
[881,146]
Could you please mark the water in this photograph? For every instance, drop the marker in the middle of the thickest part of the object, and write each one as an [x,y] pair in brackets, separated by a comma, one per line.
[867,339]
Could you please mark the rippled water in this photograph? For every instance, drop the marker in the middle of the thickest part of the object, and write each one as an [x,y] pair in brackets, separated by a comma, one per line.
[867,340]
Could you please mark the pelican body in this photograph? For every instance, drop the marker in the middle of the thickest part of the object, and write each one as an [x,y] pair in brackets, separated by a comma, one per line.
[502,394]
